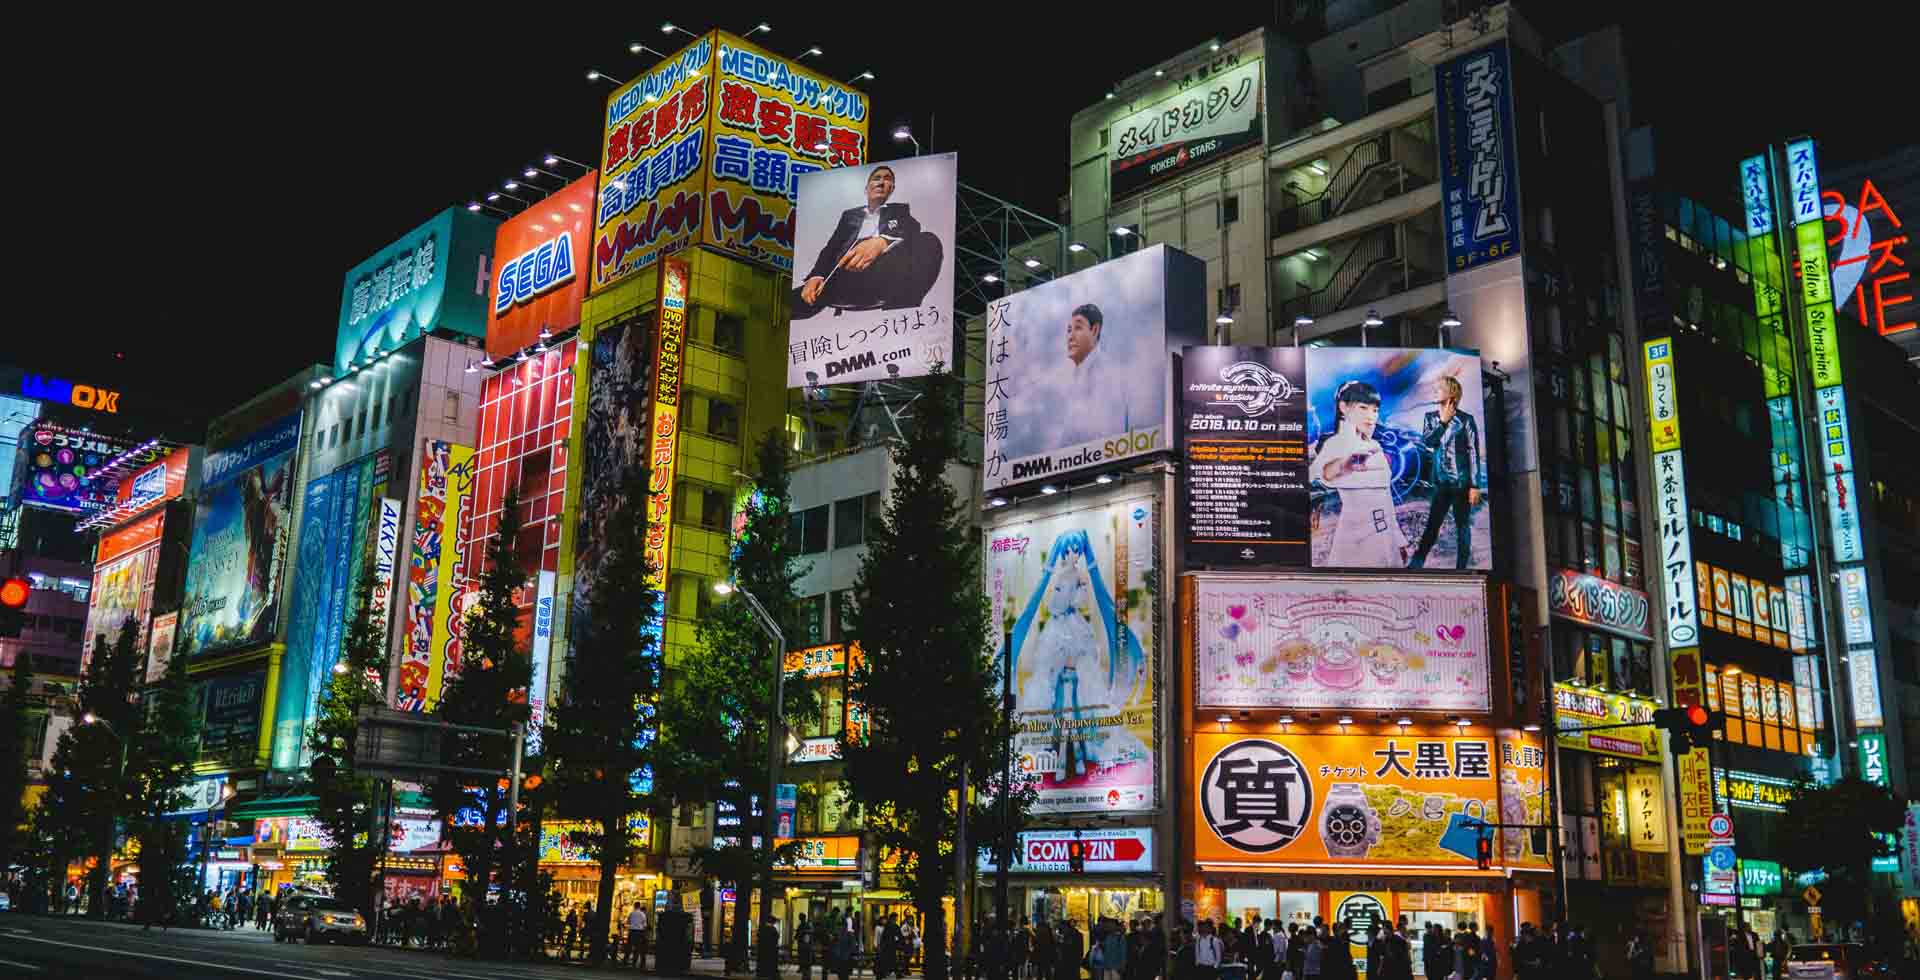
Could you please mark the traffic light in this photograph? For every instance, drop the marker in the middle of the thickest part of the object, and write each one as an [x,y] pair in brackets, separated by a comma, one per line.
[1483,850]
[1076,855]
[1687,728]
[14,593]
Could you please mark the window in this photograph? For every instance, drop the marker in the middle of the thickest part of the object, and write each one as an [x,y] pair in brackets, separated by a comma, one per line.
[807,531]
[704,506]
[729,333]
[723,419]
[850,517]
[689,596]
[450,409]
[1230,209]
[813,618]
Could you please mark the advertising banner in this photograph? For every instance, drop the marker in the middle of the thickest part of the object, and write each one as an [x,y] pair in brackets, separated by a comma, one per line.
[1646,810]
[1395,447]
[1756,186]
[1872,750]
[1696,800]
[230,714]
[1216,116]
[1523,799]
[663,441]
[240,531]
[1836,469]
[159,481]
[828,660]
[542,648]
[872,295]
[1332,641]
[61,465]
[386,557]
[199,796]
[1403,800]
[122,594]
[1120,850]
[415,831]
[1479,181]
[540,258]
[433,278]
[617,433]
[160,649]
[1593,601]
[708,148]
[1100,396]
[444,472]
[832,854]
[1072,592]
[1910,851]
[1243,414]
[1581,708]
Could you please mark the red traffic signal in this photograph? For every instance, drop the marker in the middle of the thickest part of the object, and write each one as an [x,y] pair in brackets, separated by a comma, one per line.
[1696,715]
[1076,855]
[1687,728]
[14,593]
[1483,851]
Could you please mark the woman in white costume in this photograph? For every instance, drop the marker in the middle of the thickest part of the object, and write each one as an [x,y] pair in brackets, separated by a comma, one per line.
[1351,461]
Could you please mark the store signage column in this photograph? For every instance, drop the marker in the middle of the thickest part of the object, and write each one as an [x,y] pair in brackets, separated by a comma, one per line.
[1676,581]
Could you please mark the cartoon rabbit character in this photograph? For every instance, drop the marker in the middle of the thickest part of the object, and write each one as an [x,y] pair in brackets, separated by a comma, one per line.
[1339,644]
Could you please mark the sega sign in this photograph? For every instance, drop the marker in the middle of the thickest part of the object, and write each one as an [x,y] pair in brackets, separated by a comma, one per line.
[534,272]
[1110,851]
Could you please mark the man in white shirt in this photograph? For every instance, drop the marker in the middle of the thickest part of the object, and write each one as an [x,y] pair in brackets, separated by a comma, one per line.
[1279,947]
[637,935]
[1097,397]
[1208,951]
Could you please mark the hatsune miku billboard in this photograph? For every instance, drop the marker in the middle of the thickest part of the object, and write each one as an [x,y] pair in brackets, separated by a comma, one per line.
[1365,643]
[1074,601]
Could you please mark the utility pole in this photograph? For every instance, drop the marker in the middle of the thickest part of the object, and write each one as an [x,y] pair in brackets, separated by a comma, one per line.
[962,874]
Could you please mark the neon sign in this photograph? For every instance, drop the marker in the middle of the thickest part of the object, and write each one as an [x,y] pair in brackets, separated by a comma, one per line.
[535,272]
[1862,255]
[79,396]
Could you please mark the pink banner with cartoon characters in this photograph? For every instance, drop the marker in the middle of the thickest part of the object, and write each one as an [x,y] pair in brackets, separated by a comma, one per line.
[1341,641]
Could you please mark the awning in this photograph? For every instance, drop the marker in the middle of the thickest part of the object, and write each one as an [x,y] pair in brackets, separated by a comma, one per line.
[303,805]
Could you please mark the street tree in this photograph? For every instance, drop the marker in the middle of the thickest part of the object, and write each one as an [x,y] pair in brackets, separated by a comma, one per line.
[1846,824]
[159,766]
[714,742]
[600,737]
[95,751]
[350,805]
[928,682]
[15,753]
[488,691]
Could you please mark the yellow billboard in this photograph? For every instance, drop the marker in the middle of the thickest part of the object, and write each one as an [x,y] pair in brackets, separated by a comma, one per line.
[708,147]
[449,605]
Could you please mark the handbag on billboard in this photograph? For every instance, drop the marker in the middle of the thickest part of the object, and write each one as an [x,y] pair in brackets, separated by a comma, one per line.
[1462,835]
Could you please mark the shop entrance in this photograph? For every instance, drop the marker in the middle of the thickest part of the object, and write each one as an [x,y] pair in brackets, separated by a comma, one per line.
[1084,905]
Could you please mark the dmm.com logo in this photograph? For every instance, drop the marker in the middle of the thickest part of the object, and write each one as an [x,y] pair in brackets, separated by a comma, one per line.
[1119,447]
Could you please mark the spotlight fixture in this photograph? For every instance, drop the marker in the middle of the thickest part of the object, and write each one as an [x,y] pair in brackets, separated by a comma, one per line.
[865,76]
[472,368]
[1223,319]
[811,52]
[1373,319]
[1462,722]
[1049,489]
[1103,479]
[996,502]
[1303,320]
[1404,722]
[1286,719]
[1031,263]
[1122,230]
[1450,321]
[989,277]
[1159,73]
[1345,720]
[545,334]
[1530,727]
[1076,248]
[551,160]
[473,205]
[1215,46]
[1109,95]
[1223,720]
[315,383]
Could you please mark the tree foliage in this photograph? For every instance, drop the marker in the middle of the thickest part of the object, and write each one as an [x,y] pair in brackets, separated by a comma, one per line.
[929,683]
[95,793]
[159,766]
[489,691]
[714,744]
[600,733]
[351,806]
[1846,824]
[15,725]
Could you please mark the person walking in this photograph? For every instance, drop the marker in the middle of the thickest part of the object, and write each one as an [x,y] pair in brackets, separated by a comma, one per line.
[1113,953]
[767,944]
[1488,958]
[1019,949]
[803,947]
[1044,952]
[1208,952]
[1640,957]
[1071,949]
[846,947]
[886,948]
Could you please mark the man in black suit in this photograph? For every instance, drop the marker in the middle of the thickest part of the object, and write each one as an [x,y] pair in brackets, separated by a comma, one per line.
[877,258]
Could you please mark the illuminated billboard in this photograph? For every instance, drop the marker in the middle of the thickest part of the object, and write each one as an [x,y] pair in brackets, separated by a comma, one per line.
[240,535]
[708,148]
[872,294]
[1078,374]
[433,278]
[1216,116]
[1348,642]
[1072,592]
[62,464]
[435,576]
[540,273]
[1479,181]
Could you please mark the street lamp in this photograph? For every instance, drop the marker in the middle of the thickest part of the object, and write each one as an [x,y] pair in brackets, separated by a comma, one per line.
[99,897]
[903,133]
[775,723]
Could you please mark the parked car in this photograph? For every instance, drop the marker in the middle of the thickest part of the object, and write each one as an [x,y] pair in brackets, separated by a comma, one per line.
[1835,961]
[6,902]
[317,919]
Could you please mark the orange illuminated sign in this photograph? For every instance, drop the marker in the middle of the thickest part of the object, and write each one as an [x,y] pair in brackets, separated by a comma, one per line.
[540,272]
[1410,800]
[664,430]
[131,538]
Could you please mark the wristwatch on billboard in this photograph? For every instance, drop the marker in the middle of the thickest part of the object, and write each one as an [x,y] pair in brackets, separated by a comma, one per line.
[1348,823]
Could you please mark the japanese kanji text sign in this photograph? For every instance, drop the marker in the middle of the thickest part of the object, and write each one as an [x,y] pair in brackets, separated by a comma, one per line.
[1215,116]
[1479,184]
[1407,799]
[669,353]
[435,277]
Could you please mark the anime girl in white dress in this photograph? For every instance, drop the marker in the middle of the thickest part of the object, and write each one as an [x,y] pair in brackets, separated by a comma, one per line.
[1066,652]
[1352,462]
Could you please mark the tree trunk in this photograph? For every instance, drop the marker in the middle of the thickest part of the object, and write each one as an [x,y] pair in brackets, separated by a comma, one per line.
[603,910]
[102,868]
[742,929]
[933,934]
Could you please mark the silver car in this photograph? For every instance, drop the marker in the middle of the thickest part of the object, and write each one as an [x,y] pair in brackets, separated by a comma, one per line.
[318,919]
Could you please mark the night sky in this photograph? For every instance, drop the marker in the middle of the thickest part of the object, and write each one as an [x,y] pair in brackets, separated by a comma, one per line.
[192,192]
